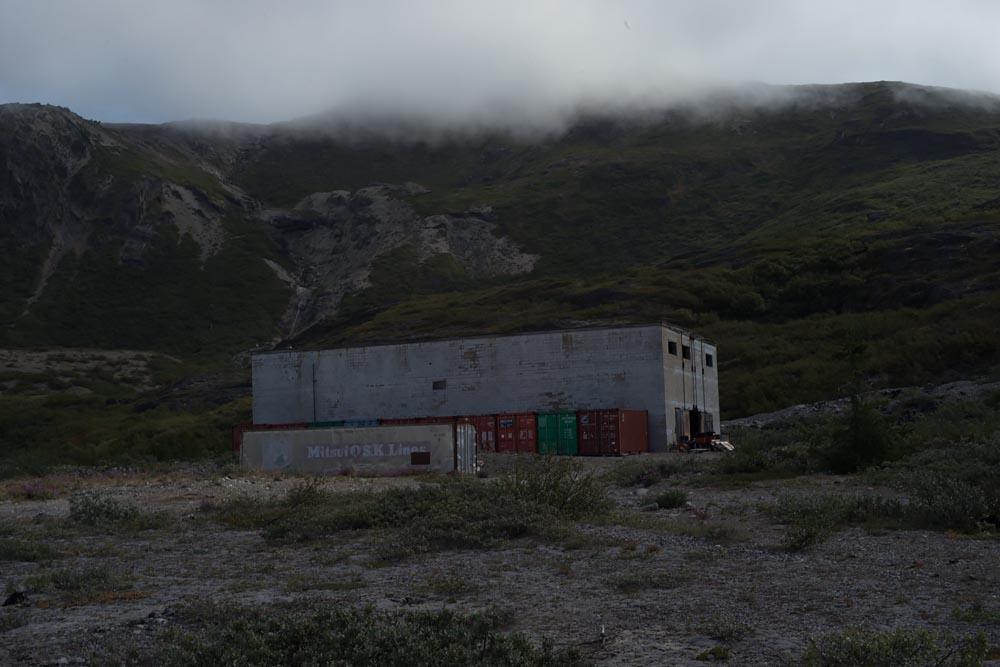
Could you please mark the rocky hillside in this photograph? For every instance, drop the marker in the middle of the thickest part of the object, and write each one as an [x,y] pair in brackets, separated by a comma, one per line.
[136,236]
[791,230]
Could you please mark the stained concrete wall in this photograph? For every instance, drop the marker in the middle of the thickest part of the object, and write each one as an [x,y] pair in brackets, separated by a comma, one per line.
[627,367]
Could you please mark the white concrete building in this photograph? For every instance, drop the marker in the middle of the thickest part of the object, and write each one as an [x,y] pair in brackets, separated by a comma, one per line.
[655,367]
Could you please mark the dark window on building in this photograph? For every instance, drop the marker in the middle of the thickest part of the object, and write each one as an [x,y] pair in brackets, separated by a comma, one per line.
[439,384]
[709,361]
[672,347]
[685,351]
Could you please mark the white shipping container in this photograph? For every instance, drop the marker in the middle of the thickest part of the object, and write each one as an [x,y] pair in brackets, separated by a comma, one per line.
[369,450]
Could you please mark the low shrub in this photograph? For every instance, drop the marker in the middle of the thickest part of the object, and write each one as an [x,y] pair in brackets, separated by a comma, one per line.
[35,489]
[727,627]
[855,647]
[955,487]
[456,514]
[14,549]
[112,514]
[717,531]
[714,653]
[812,519]
[316,633]
[865,440]
[555,483]
[646,472]
[80,582]
[977,613]
[634,583]
[670,499]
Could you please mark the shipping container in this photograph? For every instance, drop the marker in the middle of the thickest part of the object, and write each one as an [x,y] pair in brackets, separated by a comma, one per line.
[398,422]
[326,424]
[376,450]
[486,430]
[612,432]
[358,422]
[240,429]
[436,420]
[624,432]
[516,432]
[557,433]
[588,426]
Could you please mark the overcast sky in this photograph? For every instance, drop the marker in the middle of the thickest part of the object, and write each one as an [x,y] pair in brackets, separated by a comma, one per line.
[264,60]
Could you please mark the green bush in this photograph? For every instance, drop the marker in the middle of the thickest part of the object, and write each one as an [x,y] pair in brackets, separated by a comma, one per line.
[812,519]
[855,647]
[557,484]
[456,514]
[954,487]
[92,510]
[646,473]
[78,581]
[714,653]
[727,627]
[670,499]
[866,440]
[317,633]
[113,514]
[13,549]
[977,613]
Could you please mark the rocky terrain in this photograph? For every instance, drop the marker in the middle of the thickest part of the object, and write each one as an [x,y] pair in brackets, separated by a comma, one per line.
[637,587]
[77,189]
[333,239]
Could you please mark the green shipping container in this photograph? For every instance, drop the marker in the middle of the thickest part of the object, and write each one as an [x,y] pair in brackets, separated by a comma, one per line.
[557,433]
[325,424]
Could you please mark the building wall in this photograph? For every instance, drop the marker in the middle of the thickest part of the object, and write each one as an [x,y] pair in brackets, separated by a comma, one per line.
[626,367]
[689,382]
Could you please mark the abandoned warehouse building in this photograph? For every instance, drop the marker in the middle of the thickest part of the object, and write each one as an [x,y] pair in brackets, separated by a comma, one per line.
[664,370]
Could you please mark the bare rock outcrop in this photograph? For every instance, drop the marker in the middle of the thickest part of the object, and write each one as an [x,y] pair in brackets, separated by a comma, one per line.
[333,239]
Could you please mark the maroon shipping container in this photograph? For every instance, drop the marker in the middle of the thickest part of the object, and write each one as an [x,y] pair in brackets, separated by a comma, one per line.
[516,432]
[486,431]
[588,430]
[624,432]
[240,429]
[612,432]
[436,420]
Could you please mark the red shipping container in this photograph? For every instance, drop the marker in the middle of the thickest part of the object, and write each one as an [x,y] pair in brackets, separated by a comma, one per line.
[588,428]
[398,422]
[624,432]
[516,432]
[527,433]
[486,431]
[612,432]
[436,420]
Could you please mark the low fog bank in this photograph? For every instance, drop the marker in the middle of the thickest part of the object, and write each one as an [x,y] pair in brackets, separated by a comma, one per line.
[722,104]
[524,66]
[507,120]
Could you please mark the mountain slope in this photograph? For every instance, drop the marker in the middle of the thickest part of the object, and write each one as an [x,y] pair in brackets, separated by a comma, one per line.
[787,231]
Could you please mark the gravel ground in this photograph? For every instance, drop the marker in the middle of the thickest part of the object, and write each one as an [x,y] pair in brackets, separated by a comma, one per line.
[659,590]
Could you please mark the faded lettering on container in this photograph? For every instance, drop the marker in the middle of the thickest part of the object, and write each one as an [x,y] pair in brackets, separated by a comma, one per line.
[367,450]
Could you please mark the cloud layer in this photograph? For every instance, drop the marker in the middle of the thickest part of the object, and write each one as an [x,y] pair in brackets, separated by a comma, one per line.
[467,61]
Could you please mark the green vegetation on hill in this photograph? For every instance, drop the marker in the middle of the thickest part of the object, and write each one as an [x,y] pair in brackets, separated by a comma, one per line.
[169,301]
[131,164]
[778,233]
[781,233]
